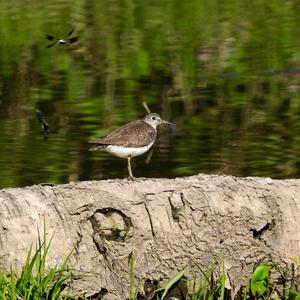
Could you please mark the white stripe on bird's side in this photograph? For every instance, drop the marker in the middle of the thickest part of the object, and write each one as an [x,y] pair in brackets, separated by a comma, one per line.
[125,152]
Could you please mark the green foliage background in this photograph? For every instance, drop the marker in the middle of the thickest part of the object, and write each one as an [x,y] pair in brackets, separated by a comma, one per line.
[226,72]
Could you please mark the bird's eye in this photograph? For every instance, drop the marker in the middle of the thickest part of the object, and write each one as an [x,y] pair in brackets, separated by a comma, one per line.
[153,118]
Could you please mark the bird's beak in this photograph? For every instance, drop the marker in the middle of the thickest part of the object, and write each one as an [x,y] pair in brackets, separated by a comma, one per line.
[168,123]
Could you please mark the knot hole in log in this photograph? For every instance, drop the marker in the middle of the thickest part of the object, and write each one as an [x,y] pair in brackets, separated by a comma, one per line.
[110,224]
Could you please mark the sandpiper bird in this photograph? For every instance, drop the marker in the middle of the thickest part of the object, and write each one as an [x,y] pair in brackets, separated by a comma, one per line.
[132,139]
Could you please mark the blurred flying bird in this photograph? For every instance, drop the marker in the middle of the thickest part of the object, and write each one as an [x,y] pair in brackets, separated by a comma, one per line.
[65,41]
[44,124]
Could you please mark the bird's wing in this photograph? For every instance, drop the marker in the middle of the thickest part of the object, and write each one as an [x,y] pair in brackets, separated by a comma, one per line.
[134,134]
[72,30]
[51,45]
[74,39]
[50,37]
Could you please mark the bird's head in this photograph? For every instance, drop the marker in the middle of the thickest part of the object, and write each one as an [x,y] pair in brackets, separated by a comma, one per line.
[154,120]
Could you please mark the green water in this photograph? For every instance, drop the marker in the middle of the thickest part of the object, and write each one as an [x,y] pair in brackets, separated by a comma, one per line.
[226,72]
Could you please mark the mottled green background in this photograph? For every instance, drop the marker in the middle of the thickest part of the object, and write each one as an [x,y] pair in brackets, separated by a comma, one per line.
[226,72]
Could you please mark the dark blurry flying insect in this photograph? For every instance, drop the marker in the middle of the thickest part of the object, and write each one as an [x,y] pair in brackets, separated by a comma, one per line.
[65,41]
[44,124]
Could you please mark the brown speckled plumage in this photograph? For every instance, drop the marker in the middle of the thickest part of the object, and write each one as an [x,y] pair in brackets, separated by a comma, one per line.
[134,134]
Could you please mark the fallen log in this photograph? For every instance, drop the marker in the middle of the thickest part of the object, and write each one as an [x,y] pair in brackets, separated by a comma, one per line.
[168,224]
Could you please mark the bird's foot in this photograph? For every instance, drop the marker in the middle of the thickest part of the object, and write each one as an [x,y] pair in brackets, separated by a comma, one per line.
[132,178]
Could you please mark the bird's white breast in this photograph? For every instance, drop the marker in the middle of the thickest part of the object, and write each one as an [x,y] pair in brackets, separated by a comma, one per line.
[125,152]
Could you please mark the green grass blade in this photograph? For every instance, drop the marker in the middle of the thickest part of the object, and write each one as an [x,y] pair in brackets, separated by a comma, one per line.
[246,290]
[131,275]
[170,283]
[223,279]
[137,288]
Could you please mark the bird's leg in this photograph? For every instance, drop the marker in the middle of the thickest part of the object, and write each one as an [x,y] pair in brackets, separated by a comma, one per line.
[129,169]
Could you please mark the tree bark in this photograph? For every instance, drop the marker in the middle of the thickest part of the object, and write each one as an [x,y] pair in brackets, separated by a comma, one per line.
[168,224]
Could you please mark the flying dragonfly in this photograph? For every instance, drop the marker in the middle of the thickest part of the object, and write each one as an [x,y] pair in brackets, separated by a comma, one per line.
[66,41]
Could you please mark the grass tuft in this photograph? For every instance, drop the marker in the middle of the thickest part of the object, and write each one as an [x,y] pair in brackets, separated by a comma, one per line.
[36,281]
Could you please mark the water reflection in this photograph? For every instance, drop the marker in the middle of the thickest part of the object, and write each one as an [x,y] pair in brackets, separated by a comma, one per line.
[226,73]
